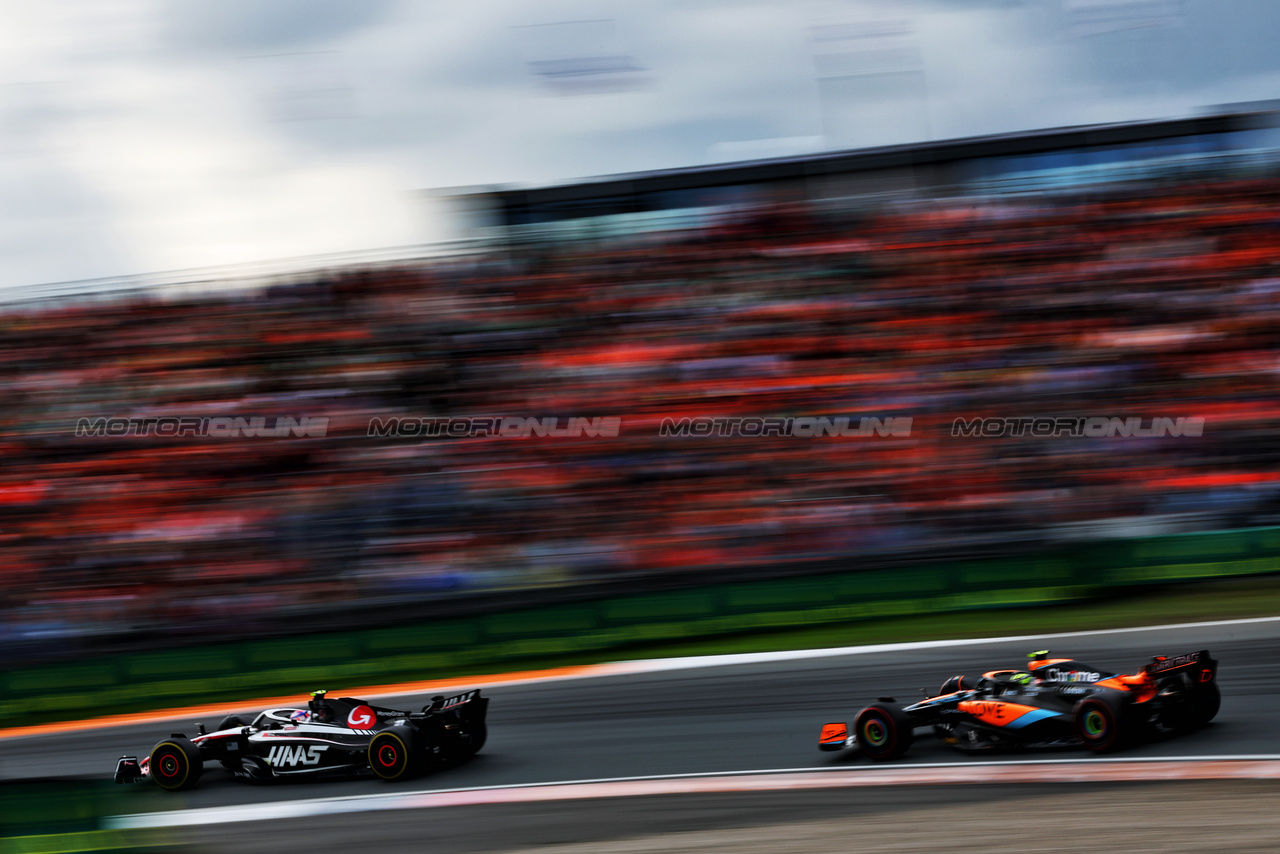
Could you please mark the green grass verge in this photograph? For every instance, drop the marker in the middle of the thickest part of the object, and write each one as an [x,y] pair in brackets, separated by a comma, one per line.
[1179,603]
[1190,602]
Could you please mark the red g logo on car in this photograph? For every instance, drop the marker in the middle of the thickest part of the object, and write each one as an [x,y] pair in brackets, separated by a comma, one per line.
[361,717]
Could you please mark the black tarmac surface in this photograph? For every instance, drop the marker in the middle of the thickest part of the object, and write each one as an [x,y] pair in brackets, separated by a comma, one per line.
[758,716]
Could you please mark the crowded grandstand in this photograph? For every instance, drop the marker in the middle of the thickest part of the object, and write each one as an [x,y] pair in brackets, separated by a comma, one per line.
[1119,300]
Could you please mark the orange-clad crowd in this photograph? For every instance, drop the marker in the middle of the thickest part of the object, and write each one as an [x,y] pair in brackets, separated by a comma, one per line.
[1155,302]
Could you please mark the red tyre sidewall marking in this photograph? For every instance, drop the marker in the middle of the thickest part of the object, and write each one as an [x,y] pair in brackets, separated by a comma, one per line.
[170,765]
[382,750]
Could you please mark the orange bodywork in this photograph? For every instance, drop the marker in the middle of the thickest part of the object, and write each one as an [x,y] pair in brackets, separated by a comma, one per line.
[1045,662]
[995,712]
[996,674]
[833,734]
[1141,686]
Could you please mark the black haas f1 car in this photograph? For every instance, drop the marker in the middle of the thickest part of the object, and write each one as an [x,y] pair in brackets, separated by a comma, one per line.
[1056,702]
[344,737]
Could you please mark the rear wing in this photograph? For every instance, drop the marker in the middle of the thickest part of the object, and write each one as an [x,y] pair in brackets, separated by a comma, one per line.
[1199,666]
[468,704]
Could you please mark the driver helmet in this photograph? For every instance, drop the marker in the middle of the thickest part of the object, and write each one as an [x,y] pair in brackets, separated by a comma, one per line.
[1037,659]
[301,716]
[320,711]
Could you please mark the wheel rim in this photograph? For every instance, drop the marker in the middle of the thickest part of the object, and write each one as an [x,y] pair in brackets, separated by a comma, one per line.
[1095,723]
[170,767]
[874,732]
[388,755]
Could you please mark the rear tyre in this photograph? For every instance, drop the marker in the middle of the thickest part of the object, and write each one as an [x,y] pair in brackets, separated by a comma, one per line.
[396,754]
[1100,723]
[1204,701]
[231,722]
[883,731]
[176,764]
[474,738]
[1194,704]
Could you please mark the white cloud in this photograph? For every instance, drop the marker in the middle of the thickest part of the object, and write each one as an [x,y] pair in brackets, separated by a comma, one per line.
[174,164]
[146,134]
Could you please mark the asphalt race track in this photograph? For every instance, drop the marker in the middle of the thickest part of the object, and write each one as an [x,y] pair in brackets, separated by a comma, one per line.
[742,717]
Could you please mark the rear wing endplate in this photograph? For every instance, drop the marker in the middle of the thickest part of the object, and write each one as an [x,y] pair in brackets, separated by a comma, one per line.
[1197,665]
[448,704]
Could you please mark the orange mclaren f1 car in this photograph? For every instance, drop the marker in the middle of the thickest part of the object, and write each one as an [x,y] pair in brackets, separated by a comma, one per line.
[1055,702]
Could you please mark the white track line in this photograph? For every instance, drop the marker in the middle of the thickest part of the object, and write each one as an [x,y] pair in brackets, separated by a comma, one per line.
[661,665]
[1092,770]
[656,665]
[1261,766]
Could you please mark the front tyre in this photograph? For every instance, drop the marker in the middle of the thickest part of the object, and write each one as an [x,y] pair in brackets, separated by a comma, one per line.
[883,731]
[176,764]
[1100,723]
[230,722]
[396,754]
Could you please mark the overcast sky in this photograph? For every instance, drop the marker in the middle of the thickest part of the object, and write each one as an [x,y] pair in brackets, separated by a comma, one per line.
[149,135]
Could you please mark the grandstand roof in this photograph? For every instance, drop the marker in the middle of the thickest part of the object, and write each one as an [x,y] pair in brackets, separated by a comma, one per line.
[642,191]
